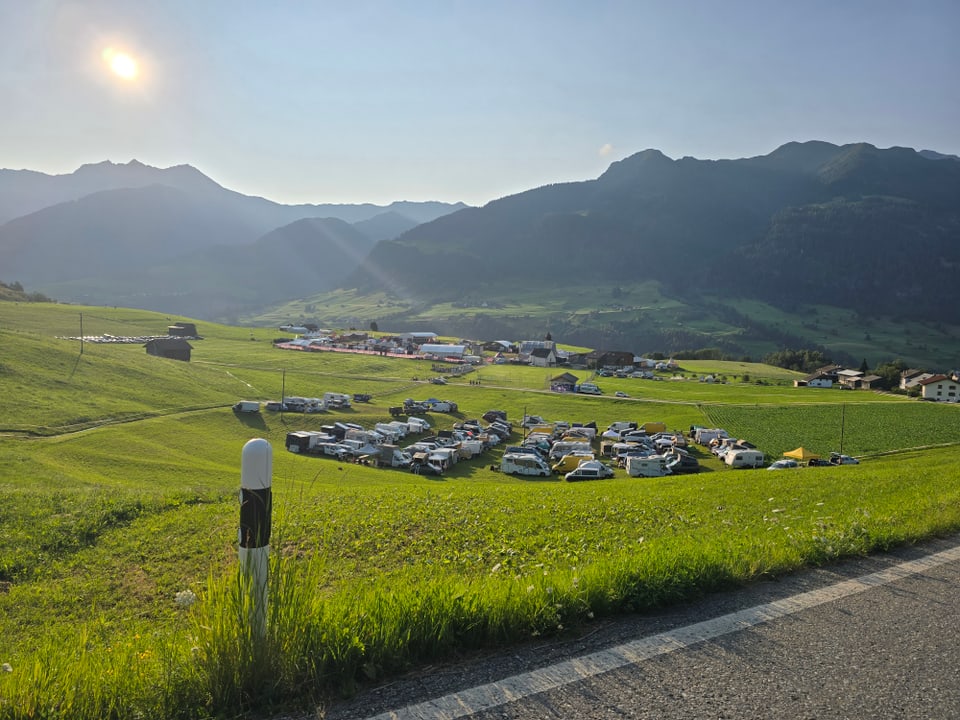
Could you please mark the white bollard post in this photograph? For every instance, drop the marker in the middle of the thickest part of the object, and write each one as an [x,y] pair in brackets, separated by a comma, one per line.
[256,470]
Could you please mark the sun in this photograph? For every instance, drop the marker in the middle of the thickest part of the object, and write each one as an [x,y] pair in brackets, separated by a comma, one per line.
[121,64]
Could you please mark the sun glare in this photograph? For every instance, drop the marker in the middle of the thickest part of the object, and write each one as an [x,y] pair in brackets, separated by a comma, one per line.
[120,63]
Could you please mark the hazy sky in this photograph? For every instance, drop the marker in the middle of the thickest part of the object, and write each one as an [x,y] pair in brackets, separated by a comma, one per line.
[374,101]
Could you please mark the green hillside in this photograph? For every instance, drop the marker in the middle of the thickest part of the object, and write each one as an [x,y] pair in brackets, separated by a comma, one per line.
[119,474]
[638,317]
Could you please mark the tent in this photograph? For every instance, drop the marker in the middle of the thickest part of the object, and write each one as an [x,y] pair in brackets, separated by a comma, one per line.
[801,454]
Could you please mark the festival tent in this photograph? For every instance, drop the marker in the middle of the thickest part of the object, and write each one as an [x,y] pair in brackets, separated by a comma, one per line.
[801,454]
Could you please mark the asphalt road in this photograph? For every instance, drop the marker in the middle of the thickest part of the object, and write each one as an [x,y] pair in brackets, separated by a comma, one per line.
[877,637]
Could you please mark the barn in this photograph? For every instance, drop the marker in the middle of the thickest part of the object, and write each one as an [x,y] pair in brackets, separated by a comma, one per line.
[170,348]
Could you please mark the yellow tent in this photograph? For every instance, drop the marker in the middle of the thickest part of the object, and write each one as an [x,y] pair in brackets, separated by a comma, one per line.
[802,454]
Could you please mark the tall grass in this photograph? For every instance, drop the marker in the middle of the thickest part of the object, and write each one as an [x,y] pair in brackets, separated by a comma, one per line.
[327,633]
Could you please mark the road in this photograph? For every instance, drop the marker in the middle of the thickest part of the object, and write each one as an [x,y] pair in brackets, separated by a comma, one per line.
[877,637]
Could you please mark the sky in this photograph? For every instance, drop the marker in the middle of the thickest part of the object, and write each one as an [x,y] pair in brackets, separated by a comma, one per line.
[373,101]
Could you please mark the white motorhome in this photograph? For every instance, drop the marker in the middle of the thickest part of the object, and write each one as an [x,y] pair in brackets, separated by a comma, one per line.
[648,466]
[393,456]
[417,425]
[565,447]
[247,406]
[524,464]
[336,400]
[744,458]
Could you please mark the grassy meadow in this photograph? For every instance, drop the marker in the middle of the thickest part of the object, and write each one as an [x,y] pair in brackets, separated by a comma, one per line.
[119,473]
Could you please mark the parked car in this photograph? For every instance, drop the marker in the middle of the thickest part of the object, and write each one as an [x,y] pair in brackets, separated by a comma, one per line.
[838,459]
[621,393]
[783,464]
[589,470]
[819,462]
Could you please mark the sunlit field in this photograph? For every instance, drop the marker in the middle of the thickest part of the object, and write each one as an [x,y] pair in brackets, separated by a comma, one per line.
[119,475]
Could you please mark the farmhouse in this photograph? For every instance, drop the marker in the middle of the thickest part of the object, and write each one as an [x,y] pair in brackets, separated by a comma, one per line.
[182,329]
[912,378]
[566,382]
[869,382]
[817,379]
[418,337]
[170,348]
[610,358]
[940,388]
[528,346]
[443,352]
[849,378]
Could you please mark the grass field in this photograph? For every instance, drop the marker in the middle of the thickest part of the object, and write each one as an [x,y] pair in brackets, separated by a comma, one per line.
[645,309]
[118,503]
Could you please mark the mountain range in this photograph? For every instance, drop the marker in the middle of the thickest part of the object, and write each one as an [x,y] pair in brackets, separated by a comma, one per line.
[872,230]
[174,240]
[853,226]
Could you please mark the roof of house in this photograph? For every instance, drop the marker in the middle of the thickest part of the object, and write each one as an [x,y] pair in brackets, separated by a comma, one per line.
[565,378]
[431,349]
[849,373]
[831,369]
[871,378]
[541,352]
[932,379]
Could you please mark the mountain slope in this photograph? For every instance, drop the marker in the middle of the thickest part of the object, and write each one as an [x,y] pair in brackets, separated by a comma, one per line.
[221,281]
[729,227]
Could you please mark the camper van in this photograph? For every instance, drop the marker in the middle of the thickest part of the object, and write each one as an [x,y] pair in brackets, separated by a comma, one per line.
[571,461]
[564,447]
[743,458]
[647,466]
[247,406]
[336,400]
[524,464]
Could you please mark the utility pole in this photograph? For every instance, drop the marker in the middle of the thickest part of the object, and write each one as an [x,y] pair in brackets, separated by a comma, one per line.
[843,413]
[283,391]
[81,333]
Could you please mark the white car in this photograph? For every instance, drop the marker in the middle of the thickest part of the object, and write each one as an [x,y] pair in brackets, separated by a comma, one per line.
[621,393]
[783,464]
[838,459]
[589,470]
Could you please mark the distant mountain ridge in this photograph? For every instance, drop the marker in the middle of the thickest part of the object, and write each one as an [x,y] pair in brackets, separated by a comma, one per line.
[98,234]
[852,225]
[25,191]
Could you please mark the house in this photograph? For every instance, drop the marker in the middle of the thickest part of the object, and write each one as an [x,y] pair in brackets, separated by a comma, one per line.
[817,379]
[870,382]
[495,346]
[911,378]
[565,382]
[829,371]
[940,388]
[528,346]
[849,378]
[418,337]
[182,329]
[443,352]
[170,348]
[610,358]
[543,357]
